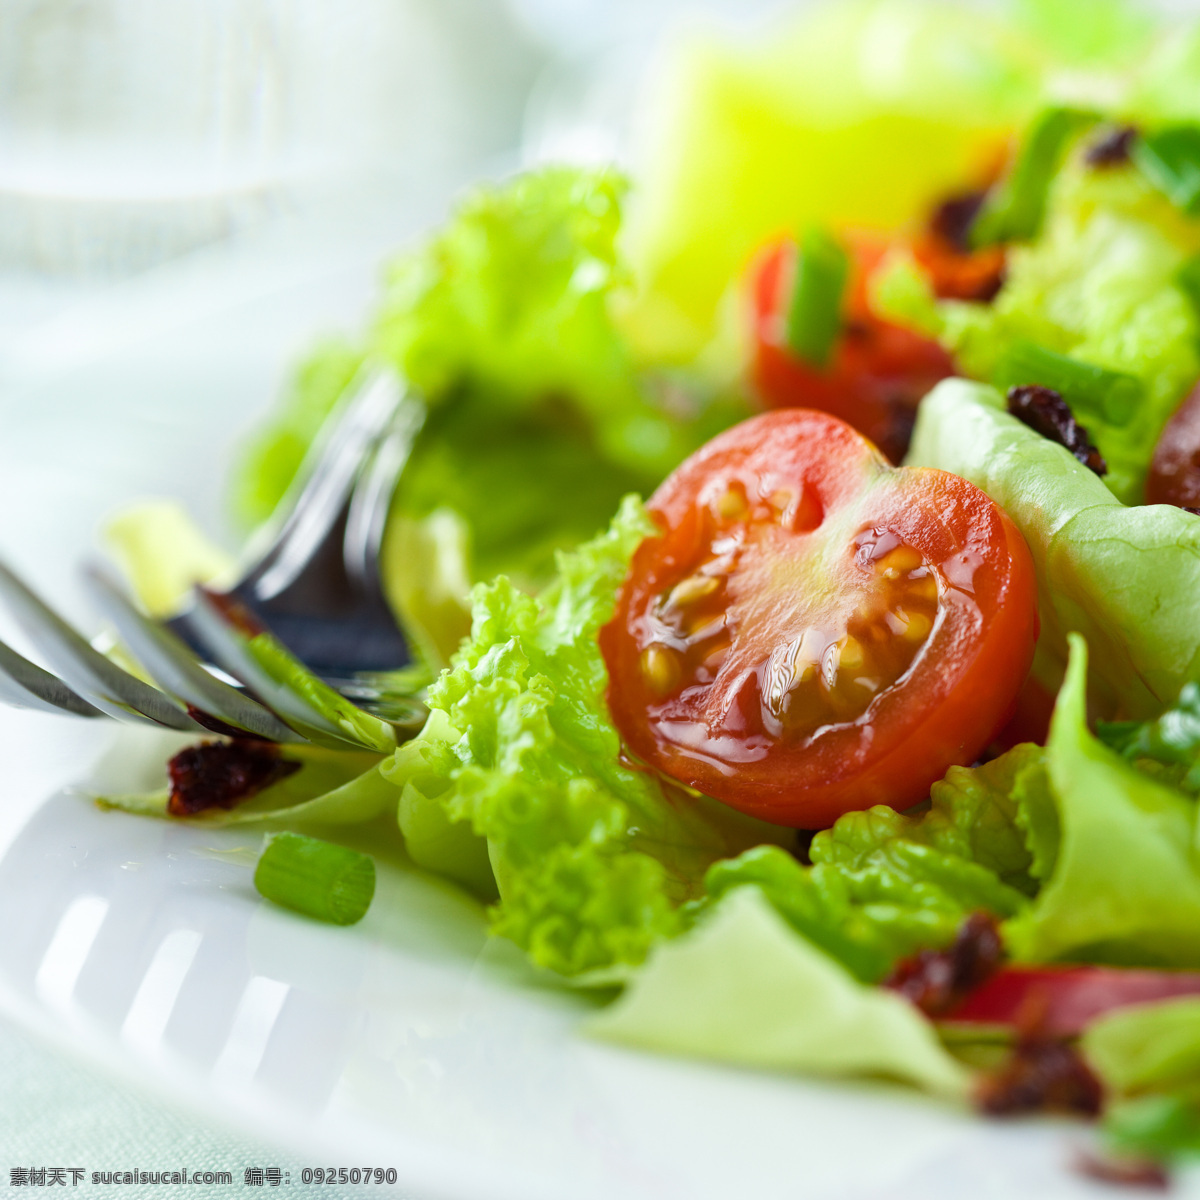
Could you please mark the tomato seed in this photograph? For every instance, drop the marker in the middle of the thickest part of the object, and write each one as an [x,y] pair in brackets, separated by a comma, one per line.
[730,504]
[694,588]
[924,588]
[918,627]
[852,656]
[898,562]
[660,669]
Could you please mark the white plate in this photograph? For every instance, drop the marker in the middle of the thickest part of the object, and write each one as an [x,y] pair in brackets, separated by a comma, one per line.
[411,1041]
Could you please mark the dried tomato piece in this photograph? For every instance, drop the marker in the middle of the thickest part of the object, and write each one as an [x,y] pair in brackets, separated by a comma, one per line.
[937,981]
[952,219]
[955,270]
[1112,149]
[221,774]
[1043,1074]
[1046,412]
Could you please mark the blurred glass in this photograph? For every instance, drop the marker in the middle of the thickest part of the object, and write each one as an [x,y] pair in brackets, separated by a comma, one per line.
[133,129]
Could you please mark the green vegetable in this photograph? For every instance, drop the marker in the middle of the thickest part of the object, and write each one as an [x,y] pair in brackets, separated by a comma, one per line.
[164,555]
[1168,747]
[1148,1056]
[1086,388]
[1128,579]
[539,418]
[884,885]
[1147,1047]
[1100,286]
[744,987]
[814,311]
[1014,210]
[1170,158]
[524,485]
[319,879]
[357,727]
[1154,1126]
[425,564]
[520,765]
[1188,279]
[1096,34]
[1125,882]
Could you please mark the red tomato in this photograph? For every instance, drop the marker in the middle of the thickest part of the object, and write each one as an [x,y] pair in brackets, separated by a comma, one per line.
[878,373]
[1175,469]
[815,631]
[1061,1001]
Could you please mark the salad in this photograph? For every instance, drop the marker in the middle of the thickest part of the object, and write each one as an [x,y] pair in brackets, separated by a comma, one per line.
[800,561]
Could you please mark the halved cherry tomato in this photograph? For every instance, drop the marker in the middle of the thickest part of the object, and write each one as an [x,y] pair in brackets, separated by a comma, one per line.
[1062,1001]
[878,373]
[815,631]
[1175,469]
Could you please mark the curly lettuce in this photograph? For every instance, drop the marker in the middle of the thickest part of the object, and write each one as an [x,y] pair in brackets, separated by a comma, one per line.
[519,775]
[539,419]
[1127,578]
[883,884]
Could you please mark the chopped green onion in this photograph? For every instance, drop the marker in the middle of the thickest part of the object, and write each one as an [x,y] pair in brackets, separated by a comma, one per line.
[319,879]
[1014,209]
[1110,395]
[1188,279]
[1170,159]
[814,311]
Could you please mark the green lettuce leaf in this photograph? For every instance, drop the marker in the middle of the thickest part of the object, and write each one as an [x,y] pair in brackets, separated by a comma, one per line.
[539,420]
[1167,748]
[163,555]
[1099,284]
[1147,1047]
[1125,882]
[743,987]
[1156,1126]
[591,856]
[1148,1056]
[1128,579]
[883,884]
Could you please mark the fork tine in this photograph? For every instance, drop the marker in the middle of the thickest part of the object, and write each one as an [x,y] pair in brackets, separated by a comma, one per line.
[98,680]
[175,669]
[25,685]
[226,645]
[363,413]
[371,498]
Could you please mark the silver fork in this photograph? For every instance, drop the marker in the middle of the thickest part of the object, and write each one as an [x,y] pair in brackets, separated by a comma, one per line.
[323,554]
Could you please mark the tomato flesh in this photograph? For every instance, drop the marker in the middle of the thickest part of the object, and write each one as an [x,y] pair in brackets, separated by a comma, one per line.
[1175,469]
[878,373]
[815,631]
